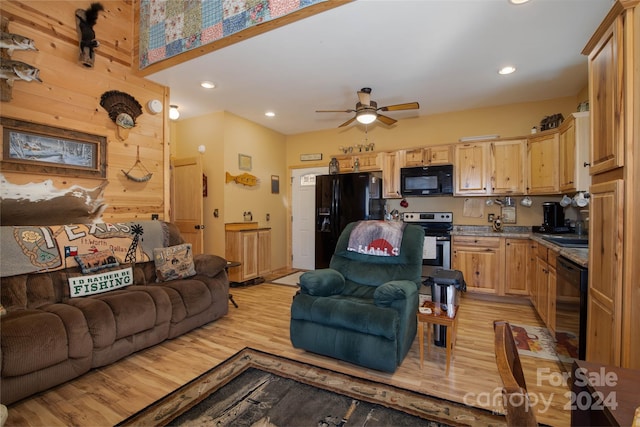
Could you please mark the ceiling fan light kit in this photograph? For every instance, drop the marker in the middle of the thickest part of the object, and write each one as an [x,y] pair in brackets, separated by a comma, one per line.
[367,110]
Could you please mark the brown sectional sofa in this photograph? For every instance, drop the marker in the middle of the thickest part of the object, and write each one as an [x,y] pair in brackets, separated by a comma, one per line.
[47,338]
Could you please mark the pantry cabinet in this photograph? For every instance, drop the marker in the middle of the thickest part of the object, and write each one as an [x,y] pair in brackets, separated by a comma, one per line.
[613,318]
[543,164]
[252,249]
[481,261]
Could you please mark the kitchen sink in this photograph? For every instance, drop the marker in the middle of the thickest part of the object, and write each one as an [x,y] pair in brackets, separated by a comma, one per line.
[568,242]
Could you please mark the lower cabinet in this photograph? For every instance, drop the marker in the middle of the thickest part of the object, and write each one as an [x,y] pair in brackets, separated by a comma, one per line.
[252,249]
[494,265]
[481,261]
[543,295]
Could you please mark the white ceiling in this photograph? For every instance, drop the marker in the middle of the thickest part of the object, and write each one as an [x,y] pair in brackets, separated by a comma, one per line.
[442,53]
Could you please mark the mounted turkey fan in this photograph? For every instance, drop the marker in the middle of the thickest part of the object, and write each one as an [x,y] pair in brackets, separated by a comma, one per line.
[367,110]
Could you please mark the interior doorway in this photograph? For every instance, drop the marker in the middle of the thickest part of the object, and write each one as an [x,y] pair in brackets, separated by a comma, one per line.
[303,211]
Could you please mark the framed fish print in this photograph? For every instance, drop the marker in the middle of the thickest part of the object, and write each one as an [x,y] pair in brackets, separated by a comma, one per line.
[34,148]
[244,162]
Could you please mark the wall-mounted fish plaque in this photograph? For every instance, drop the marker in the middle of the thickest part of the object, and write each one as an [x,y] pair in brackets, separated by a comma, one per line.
[11,70]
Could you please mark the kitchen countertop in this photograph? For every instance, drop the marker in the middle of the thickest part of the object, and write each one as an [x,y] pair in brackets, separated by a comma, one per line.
[578,255]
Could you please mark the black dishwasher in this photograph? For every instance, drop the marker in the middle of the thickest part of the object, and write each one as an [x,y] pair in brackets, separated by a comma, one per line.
[571,311]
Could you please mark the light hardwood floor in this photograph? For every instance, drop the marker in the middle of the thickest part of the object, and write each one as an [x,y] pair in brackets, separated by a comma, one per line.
[107,395]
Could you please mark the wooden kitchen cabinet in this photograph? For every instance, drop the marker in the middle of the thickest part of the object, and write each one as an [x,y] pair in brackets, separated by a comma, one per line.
[471,171]
[604,306]
[429,156]
[606,96]
[252,249]
[544,295]
[574,140]
[367,162]
[391,174]
[613,319]
[507,166]
[516,266]
[481,261]
[543,165]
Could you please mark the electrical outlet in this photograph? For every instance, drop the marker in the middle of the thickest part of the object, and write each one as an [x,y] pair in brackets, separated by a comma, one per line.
[491,217]
[155,216]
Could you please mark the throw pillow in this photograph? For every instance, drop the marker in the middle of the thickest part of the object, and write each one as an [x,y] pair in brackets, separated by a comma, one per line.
[174,262]
[97,261]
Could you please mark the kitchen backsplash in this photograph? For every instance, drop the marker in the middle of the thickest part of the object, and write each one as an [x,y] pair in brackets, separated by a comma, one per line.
[525,216]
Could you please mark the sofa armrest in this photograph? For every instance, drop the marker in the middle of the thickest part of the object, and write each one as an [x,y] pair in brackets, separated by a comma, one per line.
[322,283]
[395,290]
[209,265]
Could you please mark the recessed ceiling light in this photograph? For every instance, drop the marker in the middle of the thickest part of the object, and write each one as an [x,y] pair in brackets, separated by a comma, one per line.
[516,2]
[270,114]
[207,84]
[506,70]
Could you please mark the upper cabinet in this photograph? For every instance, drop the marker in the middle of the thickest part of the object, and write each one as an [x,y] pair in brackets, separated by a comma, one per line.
[606,74]
[391,163]
[490,168]
[543,164]
[574,153]
[440,155]
[366,162]
[471,166]
[507,160]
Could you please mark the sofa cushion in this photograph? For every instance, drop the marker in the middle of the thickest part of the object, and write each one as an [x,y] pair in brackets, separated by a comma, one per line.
[32,340]
[174,262]
[133,312]
[13,292]
[188,298]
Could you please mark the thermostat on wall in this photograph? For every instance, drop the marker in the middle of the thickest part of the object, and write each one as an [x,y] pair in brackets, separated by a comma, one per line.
[154,106]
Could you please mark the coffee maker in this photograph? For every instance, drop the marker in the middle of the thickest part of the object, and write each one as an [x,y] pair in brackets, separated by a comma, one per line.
[553,222]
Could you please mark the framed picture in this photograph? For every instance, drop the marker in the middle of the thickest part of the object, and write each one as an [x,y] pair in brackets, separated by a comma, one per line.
[275,184]
[35,148]
[244,162]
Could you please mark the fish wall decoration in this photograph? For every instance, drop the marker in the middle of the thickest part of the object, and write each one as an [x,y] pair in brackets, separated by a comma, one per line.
[244,179]
[11,70]
[13,42]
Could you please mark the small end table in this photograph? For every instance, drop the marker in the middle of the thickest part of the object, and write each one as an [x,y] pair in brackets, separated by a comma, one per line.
[438,316]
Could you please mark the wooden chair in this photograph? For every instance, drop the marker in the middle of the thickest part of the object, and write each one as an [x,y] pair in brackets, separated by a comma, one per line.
[514,393]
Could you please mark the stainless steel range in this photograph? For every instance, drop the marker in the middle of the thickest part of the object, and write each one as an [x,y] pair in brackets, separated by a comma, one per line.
[437,231]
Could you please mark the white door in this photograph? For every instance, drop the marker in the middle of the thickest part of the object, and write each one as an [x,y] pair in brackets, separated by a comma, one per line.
[303,209]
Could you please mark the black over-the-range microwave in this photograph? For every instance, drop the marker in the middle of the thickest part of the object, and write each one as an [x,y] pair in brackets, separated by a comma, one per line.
[426,180]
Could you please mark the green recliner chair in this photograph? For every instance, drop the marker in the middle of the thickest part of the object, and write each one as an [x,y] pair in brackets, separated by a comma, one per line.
[362,309]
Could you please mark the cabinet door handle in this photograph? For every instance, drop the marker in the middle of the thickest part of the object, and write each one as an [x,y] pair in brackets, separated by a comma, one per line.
[586,164]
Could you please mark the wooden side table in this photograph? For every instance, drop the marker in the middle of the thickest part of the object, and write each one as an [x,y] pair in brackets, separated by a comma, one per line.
[231,264]
[437,317]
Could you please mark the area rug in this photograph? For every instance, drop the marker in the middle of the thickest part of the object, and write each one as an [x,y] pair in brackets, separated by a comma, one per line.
[534,341]
[290,279]
[254,388]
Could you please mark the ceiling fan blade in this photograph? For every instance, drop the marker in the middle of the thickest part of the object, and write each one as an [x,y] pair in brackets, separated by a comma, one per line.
[397,107]
[347,123]
[335,111]
[364,97]
[386,120]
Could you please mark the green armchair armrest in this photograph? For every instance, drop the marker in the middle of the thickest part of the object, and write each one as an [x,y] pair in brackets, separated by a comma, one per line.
[322,282]
[386,294]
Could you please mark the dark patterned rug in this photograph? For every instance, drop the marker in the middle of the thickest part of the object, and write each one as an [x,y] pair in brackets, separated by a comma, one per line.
[253,388]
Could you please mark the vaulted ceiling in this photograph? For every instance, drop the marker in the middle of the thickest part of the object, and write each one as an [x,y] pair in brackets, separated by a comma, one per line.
[445,54]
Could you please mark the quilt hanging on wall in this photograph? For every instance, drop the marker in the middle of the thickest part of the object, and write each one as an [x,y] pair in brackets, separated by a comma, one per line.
[171,27]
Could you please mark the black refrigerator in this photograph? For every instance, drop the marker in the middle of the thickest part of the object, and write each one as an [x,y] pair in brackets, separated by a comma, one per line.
[341,199]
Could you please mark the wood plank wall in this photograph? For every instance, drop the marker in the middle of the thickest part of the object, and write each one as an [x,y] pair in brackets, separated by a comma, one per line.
[69,97]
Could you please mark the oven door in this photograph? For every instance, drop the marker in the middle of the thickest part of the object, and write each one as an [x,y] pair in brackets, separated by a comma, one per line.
[442,254]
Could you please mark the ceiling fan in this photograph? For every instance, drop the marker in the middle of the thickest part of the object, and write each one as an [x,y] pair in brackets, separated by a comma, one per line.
[367,110]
